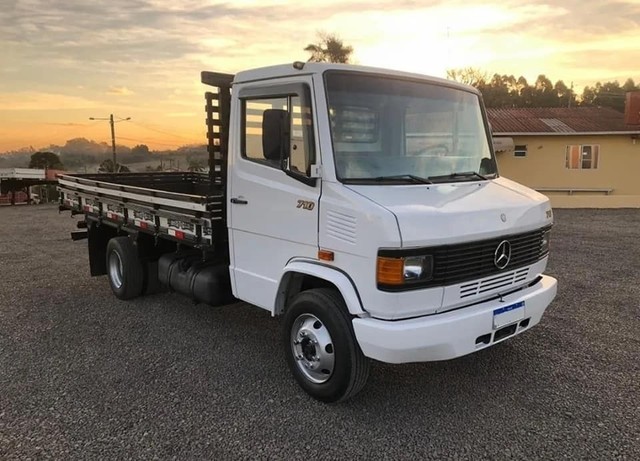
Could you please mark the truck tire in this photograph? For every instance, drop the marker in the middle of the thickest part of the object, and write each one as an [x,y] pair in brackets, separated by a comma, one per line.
[124,269]
[320,346]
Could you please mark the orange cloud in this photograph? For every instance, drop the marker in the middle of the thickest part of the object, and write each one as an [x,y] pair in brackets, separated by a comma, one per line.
[36,100]
[120,91]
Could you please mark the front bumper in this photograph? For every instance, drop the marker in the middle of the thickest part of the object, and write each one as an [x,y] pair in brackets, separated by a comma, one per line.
[451,334]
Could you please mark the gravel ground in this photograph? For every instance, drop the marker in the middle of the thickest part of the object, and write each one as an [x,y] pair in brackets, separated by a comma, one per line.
[83,375]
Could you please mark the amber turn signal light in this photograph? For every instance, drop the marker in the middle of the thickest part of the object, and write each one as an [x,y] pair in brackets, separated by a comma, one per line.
[325,255]
[390,271]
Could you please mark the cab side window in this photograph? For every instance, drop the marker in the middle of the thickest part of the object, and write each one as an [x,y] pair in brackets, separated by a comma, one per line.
[301,149]
[254,110]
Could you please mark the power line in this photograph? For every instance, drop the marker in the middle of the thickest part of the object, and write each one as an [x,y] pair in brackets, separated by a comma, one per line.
[160,131]
[152,142]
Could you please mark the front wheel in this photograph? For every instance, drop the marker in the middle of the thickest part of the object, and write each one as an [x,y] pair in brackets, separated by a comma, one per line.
[320,346]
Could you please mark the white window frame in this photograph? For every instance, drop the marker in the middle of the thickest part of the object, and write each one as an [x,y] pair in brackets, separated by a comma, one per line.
[595,156]
[523,148]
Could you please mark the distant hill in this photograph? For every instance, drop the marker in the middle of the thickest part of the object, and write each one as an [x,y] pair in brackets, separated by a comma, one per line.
[81,154]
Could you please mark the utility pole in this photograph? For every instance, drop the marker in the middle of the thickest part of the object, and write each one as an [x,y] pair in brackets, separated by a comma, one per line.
[113,135]
[113,141]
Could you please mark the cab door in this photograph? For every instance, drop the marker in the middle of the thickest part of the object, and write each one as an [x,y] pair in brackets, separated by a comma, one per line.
[273,200]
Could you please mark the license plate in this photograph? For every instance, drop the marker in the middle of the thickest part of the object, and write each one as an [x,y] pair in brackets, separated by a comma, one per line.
[508,314]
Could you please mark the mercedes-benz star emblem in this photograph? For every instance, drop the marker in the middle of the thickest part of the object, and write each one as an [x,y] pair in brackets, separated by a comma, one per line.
[502,256]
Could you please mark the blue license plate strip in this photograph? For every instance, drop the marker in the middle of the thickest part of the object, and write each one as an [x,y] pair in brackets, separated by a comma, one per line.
[508,314]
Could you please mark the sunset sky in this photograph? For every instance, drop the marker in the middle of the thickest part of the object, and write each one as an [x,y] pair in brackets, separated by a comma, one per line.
[63,61]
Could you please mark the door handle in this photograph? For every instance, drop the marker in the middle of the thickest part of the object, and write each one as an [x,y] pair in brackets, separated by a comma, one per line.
[239,201]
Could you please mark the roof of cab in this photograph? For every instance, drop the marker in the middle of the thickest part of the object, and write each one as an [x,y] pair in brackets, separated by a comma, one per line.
[318,68]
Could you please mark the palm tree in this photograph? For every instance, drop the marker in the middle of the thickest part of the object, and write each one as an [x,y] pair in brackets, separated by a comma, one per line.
[329,48]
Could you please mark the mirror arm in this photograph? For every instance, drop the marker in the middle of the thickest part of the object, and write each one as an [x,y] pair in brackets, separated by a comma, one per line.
[302,178]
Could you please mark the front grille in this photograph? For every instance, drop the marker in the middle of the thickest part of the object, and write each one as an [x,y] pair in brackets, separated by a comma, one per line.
[496,282]
[474,260]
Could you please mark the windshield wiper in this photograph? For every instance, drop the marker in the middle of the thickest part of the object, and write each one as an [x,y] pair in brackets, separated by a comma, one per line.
[413,178]
[462,174]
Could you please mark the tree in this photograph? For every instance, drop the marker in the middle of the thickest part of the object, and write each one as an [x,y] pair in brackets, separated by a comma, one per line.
[108,167]
[45,161]
[468,76]
[566,97]
[588,95]
[501,91]
[140,149]
[139,153]
[84,146]
[330,48]
[509,91]
[196,165]
[543,93]
[630,85]
[543,84]
[608,94]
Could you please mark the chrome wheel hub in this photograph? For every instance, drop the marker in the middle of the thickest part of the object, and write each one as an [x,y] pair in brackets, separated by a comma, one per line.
[115,269]
[312,348]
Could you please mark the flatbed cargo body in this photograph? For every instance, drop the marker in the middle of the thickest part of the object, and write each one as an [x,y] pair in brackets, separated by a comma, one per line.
[184,207]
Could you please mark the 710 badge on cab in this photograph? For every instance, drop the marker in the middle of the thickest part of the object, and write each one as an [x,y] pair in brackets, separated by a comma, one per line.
[306,204]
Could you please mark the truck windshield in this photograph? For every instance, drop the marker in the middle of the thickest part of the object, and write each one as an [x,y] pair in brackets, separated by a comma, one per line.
[400,131]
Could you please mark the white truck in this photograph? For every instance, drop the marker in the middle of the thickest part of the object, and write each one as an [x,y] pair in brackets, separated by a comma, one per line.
[362,205]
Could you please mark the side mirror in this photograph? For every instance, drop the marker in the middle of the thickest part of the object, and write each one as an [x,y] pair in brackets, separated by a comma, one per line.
[486,166]
[275,135]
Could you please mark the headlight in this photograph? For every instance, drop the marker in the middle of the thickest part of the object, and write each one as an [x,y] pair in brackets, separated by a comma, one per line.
[397,271]
[544,244]
[418,268]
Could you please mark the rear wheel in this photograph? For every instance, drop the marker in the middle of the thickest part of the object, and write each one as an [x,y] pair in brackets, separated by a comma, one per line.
[124,268]
[320,346]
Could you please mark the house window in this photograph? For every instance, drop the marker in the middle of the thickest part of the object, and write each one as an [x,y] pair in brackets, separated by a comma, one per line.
[520,151]
[583,157]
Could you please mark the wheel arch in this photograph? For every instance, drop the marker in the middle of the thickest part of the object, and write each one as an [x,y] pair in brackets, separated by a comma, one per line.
[300,275]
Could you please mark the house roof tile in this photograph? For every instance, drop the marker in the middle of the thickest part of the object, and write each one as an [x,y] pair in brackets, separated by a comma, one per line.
[574,120]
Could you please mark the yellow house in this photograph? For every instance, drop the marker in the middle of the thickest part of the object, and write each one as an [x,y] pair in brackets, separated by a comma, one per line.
[581,157]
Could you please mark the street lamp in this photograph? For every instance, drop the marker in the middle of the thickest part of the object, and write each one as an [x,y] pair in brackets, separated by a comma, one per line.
[113,135]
